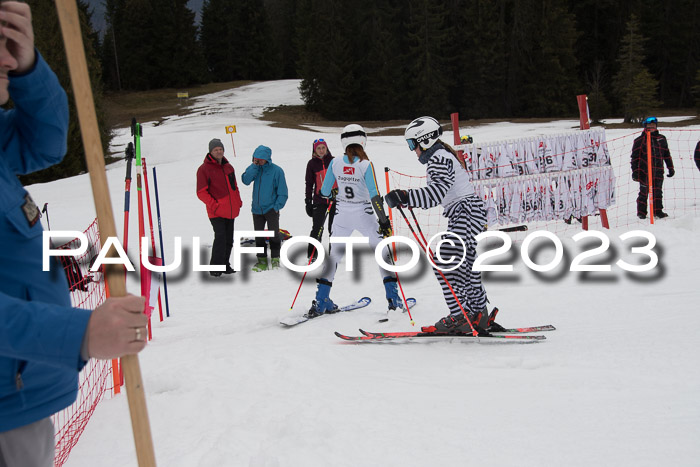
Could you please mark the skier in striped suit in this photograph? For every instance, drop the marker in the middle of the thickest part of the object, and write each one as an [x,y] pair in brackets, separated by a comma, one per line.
[449,185]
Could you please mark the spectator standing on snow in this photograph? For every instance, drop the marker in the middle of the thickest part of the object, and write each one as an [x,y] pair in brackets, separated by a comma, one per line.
[696,156]
[44,341]
[660,155]
[317,205]
[269,197]
[218,190]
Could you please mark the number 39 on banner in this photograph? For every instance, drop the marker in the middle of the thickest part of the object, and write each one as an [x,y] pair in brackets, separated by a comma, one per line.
[230,130]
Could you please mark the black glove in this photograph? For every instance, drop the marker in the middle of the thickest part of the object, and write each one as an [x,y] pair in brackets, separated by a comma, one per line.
[671,172]
[385,229]
[396,197]
[334,193]
[309,208]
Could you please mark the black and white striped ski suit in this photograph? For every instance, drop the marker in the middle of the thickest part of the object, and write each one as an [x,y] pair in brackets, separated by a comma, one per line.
[449,185]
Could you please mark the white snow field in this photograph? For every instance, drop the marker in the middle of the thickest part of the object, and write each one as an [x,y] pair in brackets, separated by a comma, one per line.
[617,384]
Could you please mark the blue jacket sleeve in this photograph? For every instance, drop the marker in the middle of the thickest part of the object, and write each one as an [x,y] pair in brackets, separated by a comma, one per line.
[329,181]
[250,173]
[371,181]
[42,332]
[33,134]
[282,192]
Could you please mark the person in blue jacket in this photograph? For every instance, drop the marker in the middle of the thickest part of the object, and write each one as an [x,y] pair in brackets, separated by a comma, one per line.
[44,341]
[269,197]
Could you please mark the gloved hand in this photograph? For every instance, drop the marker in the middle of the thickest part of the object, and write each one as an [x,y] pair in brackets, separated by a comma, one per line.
[334,193]
[309,208]
[671,172]
[396,197]
[635,176]
[385,229]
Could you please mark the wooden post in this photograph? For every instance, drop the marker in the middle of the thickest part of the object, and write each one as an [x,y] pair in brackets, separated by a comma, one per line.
[75,52]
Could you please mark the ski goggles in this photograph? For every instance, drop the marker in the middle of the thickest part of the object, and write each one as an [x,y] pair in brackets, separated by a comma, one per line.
[320,140]
[651,120]
[412,144]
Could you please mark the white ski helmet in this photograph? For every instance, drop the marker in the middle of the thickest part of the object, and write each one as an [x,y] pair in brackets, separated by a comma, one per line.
[353,134]
[424,131]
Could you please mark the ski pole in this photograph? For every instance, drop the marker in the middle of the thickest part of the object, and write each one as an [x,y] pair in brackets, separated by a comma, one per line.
[127,192]
[378,205]
[429,253]
[45,210]
[311,258]
[85,105]
[160,236]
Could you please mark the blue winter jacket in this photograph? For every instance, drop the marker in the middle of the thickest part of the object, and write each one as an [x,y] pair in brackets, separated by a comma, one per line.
[270,187]
[40,333]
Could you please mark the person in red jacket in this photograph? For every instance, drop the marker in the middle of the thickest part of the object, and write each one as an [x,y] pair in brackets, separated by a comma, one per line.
[317,205]
[218,190]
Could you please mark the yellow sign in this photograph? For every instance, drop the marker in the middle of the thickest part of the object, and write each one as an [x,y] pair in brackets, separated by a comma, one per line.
[182,95]
[230,129]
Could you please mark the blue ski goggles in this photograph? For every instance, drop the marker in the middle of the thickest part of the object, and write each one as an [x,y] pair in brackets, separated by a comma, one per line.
[412,144]
[651,120]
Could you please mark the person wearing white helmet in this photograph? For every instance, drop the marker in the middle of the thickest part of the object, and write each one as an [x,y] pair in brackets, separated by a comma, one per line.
[357,199]
[449,185]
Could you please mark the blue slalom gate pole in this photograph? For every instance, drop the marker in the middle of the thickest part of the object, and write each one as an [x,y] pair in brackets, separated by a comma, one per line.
[160,237]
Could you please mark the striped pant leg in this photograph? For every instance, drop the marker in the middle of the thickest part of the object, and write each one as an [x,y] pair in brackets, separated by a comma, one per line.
[466,221]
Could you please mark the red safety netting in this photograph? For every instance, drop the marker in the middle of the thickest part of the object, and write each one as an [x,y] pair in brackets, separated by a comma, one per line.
[87,291]
[680,193]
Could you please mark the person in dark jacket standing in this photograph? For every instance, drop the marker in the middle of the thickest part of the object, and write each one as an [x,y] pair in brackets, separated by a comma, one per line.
[696,156]
[217,188]
[660,155]
[269,197]
[44,341]
[317,205]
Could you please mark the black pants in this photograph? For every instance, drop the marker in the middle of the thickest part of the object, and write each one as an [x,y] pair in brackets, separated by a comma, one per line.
[223,240]
[644,196]
[317,226]
[272,219]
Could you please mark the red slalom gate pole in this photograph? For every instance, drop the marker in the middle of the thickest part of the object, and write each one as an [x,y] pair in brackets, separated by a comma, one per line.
[150,223]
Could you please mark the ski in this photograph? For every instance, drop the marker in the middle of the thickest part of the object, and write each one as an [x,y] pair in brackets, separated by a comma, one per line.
[411,303]
[384,336]
[294,320]
[525,330]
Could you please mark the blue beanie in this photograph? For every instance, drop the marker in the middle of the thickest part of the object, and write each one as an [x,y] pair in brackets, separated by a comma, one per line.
[262,152]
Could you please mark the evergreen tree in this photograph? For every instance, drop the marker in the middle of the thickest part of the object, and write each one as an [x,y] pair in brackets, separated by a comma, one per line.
[484,60]
[544,75]
[426,38]
[383,69]
[595,84]
[633,80]
[176,56]
[236,40]
[49,41]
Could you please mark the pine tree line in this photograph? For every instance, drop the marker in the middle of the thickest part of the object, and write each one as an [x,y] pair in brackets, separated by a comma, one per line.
[389,59]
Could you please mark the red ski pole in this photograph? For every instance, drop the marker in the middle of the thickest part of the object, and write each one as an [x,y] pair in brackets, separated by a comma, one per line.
[429,253]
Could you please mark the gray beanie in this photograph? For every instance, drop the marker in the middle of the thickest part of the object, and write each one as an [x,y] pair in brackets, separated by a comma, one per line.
[215,143]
